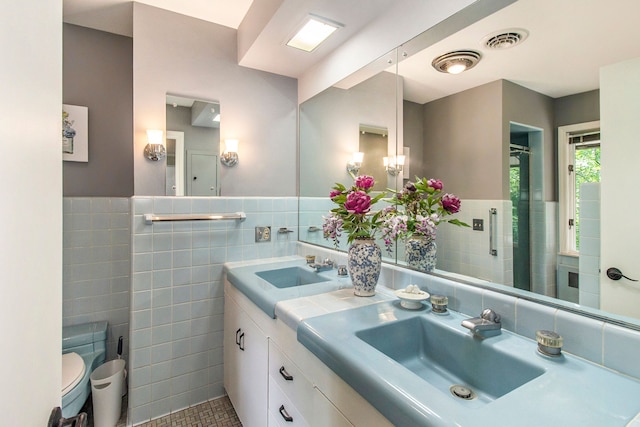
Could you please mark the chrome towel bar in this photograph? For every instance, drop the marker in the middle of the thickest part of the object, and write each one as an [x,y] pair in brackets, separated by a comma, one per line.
[493,231]
[151,218]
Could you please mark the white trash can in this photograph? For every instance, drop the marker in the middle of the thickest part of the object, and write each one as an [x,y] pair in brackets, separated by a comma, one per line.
[106,390]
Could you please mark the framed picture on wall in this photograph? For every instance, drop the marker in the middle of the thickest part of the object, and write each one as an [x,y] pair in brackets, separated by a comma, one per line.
[75,133]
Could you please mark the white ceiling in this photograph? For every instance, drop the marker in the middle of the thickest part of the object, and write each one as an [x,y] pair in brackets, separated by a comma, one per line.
[266,51]
[569,40]
[115,16]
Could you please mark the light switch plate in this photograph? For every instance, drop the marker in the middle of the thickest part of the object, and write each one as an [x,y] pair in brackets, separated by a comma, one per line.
[263,234]
[478,224]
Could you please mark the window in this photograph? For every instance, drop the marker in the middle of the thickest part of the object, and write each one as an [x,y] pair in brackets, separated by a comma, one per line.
[578,163]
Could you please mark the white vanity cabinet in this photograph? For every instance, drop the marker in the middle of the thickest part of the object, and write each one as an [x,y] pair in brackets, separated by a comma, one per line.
[276,382]
[245,365]
[290,393]
[293,399]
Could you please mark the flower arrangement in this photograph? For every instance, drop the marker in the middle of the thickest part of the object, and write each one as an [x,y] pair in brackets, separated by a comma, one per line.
[353,213]
[424,205]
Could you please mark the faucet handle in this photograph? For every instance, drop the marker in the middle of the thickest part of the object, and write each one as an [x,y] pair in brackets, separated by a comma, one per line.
[490,315]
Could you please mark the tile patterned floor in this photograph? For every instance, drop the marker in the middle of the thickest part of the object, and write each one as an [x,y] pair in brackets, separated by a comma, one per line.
[214,413]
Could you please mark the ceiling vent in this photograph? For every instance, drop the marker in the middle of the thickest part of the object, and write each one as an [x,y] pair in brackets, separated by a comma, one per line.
[505,39]
[456,62]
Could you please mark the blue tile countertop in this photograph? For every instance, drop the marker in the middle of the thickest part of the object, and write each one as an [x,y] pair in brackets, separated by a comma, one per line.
[246,277]
[386,353]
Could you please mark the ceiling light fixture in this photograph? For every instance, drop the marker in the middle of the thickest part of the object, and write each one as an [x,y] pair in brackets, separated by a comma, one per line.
[314,31]
[456,62]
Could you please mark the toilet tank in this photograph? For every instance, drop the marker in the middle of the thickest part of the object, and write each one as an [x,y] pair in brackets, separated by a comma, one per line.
[86,338]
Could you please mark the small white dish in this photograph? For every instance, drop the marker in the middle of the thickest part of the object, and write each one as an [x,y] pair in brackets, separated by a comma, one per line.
[411,300]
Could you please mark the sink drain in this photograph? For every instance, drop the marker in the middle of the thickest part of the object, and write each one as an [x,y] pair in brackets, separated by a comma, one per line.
[462,392]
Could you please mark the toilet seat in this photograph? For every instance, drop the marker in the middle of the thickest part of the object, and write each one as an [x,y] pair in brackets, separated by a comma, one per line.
[73,369]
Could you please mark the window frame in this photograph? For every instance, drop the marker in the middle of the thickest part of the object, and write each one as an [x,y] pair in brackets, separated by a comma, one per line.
[566,186]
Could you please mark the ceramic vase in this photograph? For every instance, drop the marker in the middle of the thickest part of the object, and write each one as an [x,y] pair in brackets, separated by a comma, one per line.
[364,262]
[420,253]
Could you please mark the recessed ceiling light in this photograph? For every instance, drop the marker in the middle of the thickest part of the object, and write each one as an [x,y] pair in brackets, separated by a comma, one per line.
[456,62]
[313,32]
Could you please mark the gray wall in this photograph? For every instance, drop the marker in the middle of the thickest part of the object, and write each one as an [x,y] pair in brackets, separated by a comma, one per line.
[97,73]
[196,59]
[413,134]
[578,108]
[463,142]
[526,107]
[466,136]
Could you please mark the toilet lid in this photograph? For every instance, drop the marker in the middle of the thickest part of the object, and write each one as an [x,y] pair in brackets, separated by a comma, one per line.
[73,369]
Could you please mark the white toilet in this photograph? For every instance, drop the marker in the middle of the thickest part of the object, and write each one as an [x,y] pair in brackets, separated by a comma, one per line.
[83,350]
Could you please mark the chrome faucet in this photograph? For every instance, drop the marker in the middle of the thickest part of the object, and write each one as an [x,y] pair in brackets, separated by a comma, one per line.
[487,325]
[327,264]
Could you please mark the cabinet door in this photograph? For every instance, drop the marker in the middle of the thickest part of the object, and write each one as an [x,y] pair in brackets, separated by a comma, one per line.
[325,414]
[245,365]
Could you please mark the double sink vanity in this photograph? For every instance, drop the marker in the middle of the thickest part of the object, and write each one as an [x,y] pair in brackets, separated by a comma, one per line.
[298,343]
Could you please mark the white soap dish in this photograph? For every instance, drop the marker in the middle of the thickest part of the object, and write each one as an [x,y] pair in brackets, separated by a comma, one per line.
[412,300]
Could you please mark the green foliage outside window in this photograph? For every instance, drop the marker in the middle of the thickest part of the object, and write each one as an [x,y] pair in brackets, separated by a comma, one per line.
[587,169]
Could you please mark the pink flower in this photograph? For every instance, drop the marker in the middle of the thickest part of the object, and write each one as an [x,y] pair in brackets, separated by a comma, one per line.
[365,182]
[358,202]
[436,184]
[450,203]
[334,193]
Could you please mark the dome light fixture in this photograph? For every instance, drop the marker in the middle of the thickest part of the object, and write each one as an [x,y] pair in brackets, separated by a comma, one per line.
[456,62]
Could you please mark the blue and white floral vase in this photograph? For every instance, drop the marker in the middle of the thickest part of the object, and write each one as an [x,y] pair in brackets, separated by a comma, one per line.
[420,253]
[364,262]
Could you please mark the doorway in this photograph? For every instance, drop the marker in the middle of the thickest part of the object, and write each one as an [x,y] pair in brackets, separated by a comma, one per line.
[525,180]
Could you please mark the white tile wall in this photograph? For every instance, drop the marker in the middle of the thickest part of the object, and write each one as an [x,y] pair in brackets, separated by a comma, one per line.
[589,261]
[177,294]
[96,260]
[544,246]
[465,251]
[459,249]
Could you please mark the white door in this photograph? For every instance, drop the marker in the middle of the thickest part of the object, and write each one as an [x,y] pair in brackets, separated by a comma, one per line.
[202,173]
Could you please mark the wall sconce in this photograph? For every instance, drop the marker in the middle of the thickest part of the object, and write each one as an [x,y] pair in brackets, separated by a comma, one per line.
[154,150]
[354,165]
[230,154]
[393,164]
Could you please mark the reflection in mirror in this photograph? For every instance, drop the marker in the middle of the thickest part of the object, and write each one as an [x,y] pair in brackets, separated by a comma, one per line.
[331,130]
[373,143]
[193,140]
[491,134]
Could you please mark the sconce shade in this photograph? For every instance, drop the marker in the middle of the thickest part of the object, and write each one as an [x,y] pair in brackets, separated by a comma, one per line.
[229,156]
[154,150]
[393,165]
[354,165]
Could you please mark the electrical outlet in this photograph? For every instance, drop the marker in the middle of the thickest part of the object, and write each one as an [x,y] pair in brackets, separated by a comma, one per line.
[263,234]
[478,224]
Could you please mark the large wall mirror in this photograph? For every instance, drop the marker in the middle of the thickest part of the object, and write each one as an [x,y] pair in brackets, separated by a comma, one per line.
[491,135]
[193,141]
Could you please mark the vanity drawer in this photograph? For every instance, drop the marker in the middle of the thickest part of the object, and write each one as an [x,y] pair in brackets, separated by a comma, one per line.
[282,409]
[284,373]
